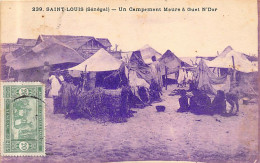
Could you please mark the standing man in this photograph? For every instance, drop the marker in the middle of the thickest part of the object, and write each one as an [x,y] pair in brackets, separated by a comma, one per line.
[156,71]
[55,81]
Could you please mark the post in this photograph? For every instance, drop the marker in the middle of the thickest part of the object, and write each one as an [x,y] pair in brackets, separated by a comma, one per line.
[233,62]
[9,70]
[84,78]
[86,68]
[234,71]
[165,78]
[127,67]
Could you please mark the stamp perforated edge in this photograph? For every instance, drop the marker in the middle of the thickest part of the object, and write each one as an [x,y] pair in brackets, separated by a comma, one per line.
[2,120]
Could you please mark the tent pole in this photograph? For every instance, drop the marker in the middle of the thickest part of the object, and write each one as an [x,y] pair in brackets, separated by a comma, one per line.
[85,68]
[84,78]
[233,61]
[9,70]
[127,65]
[234,72]
[165,78]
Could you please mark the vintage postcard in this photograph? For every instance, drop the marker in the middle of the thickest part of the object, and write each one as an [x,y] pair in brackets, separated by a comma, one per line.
[158,80]
[22,115]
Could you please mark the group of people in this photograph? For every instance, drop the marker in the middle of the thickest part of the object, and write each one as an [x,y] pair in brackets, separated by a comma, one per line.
[200,103]
[61,87]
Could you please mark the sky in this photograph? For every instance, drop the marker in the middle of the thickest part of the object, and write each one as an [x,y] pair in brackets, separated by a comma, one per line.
[185,33]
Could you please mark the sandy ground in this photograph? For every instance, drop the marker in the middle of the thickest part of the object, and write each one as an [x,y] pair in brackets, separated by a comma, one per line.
[150,135]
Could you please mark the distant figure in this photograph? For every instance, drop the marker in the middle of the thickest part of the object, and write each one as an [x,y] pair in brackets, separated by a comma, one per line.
[200,103]
[60,76]
[82,86]
[54,92]
[183,101]
[124,109]
[155,92]
[56,81]
[68,97]
[192,86]
[55,85]
[46,72]
[156,71]
[181,78]
[219,103]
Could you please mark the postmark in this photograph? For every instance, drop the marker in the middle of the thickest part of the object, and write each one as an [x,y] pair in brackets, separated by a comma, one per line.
[22,119]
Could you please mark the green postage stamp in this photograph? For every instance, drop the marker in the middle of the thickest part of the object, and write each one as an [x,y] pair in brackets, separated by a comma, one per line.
[22,119]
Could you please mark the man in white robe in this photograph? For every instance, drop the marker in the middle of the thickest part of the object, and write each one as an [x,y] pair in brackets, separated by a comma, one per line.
[56,83]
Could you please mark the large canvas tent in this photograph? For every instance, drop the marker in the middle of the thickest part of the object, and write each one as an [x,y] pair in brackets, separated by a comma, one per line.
[51,51]
[148,52]
[104,70]
[100,61]
[172,62]
[29,66]
[230,58]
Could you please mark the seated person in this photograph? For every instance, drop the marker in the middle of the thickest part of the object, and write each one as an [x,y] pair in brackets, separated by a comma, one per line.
[232,99]
[192,86]
[200,103]
[219,103]
[183,101]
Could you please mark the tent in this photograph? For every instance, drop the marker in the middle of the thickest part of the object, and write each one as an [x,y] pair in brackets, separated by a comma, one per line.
[208,81]
[100,61]
[148,52]
[51,50]
[172,62]
[104,70]
[225,60]
[137,64]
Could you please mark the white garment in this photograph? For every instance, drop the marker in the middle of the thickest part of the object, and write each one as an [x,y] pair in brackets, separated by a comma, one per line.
[172,76]
[55,85]
[182,76]
[157,72]
[61,78]
[134,81]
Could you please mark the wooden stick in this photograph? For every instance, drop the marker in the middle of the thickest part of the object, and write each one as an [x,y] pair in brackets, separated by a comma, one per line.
[165,78]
